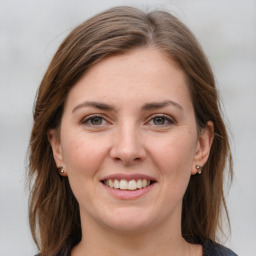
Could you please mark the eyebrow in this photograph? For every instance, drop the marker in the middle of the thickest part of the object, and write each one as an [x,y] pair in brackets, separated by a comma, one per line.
[147,106]
[157,105]
[94,104]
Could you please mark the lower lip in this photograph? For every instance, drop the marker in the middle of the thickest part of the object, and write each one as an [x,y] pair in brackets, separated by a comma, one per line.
[128,194]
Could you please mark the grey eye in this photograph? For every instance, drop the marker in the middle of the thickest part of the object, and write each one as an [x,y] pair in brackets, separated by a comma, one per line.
[159,120]
[96,120]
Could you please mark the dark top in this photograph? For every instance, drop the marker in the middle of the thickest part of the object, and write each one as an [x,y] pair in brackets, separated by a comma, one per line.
[213,249]
[209,249]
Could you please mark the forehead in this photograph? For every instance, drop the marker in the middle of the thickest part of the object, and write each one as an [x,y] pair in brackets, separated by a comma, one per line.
[141,75]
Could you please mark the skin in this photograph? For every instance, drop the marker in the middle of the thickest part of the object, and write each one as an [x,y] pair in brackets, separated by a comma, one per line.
[130,138]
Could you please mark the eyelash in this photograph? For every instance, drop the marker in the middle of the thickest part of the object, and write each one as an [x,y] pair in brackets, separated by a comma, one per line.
[89,118]
[170,121]
[165,117]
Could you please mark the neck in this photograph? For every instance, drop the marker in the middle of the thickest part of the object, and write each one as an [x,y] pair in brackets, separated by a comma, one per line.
[159,240]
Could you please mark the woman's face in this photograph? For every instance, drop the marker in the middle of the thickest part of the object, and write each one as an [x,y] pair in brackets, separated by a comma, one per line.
[129,143]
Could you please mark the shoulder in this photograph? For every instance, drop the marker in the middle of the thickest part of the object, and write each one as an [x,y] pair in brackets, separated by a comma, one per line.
[63,252]
[214,249]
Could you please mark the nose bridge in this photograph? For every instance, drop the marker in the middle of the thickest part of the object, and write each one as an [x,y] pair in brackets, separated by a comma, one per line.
[127,146]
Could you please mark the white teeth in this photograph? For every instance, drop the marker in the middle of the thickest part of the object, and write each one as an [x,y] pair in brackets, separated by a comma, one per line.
[127,185]
[132,185]
[116,184]
[110,183]
[139,184]
[123,184]
[144,183]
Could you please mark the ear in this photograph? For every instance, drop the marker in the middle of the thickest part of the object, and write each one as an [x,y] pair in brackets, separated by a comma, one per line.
[203,146]
[54,140]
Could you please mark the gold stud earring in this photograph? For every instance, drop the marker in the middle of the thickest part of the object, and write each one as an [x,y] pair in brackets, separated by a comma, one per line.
[199,169]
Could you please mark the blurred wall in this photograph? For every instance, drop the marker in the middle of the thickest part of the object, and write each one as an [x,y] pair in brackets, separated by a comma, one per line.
[30,32]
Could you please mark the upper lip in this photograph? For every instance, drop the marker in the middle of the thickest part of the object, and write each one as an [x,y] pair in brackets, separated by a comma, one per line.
[121,176]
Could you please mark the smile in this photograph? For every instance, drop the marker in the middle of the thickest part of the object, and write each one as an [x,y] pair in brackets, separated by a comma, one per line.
[123,184]
[128,186]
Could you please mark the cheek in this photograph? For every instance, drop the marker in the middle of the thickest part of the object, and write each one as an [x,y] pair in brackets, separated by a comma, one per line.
[175,153]
[83,158]
[82,154]
[175,162]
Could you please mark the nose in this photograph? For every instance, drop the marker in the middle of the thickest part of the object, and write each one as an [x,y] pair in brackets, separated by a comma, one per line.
[127,147]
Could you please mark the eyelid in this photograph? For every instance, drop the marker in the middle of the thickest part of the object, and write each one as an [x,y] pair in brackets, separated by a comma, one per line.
[85,119]
[167,117]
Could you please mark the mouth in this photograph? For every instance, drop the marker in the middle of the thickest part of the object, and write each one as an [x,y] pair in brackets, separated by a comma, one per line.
[130,185]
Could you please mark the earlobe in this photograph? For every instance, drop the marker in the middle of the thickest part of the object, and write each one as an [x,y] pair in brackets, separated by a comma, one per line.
[203,147]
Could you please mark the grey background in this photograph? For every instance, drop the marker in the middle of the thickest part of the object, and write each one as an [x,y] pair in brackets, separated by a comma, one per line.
[30,32]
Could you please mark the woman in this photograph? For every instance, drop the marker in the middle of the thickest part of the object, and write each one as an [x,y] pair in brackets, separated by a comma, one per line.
[128,147]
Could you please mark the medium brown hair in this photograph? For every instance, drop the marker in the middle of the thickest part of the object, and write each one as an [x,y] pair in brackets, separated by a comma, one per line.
[54,211]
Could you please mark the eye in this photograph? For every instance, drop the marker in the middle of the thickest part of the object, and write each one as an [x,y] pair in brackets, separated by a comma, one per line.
[161,120]
[94,120]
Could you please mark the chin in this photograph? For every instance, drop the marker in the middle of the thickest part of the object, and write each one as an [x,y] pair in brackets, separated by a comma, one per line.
[129,220]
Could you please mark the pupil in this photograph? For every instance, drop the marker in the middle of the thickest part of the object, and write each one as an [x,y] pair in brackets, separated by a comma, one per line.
[159,120]
[96,120]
